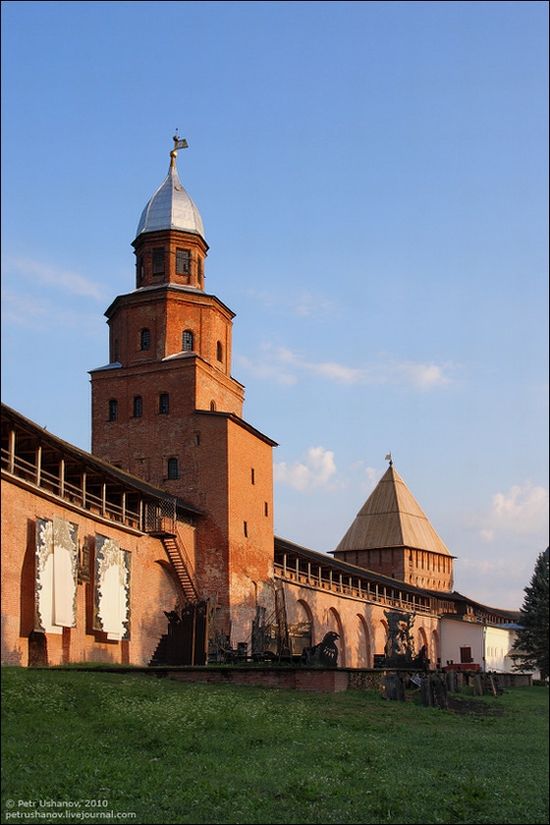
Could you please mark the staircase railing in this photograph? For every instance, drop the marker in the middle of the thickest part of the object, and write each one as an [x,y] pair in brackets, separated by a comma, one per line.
[180,563]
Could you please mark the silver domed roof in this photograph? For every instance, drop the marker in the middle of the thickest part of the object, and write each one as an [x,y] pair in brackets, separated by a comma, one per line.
[171,208]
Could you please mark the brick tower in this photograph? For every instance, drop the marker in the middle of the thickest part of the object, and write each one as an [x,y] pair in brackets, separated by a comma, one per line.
[167,409]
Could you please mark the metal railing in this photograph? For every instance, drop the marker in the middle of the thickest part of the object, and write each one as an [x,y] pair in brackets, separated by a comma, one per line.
[159,516]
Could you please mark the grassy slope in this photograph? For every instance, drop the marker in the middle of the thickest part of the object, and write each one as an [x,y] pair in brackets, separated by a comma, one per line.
[175,753]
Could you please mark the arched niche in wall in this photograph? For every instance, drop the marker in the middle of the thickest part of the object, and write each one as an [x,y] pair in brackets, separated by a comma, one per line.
[422,642]
[334,623]
[364,652]
[381,637]
[435,653]
[301,629]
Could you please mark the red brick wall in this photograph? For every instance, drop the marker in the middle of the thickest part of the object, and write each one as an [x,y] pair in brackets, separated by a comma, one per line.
[418,567]
[137,443]
[166,313]
[362,625]
[216,456]
[328,681]
[250,501]
[217,477]
[153,590]
[171,240]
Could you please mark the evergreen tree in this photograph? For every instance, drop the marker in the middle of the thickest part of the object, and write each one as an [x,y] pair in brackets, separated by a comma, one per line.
[531,646]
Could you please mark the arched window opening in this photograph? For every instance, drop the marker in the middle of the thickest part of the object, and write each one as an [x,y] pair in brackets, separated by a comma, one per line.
[138,406]
[140,265]
[183,261]
[173,468]
[113,410]
[164,403]
[212,406]
[158,261]
[145,339]
[187,340]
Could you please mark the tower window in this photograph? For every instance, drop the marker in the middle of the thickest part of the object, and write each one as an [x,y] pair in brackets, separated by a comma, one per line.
[219,351]
[245,529]
[140,269]
[164,403]
[212,406]
[266,508]
[187,340]
[158,261]
[183,262]
[138,406]
[252,475]
[173,468]
[199,271]
[145,339]
[113,410]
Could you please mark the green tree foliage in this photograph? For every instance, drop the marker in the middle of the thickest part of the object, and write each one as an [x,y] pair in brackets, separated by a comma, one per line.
[530,650]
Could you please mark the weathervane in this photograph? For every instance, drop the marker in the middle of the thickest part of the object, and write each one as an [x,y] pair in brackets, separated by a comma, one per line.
[389,458]
[179,143]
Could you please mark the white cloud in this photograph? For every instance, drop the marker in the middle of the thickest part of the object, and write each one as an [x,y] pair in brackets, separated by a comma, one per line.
[54,276]
[268,368]
[336,372]
[373,476]
[21,309]
[304,305]
[28,311]
[424,376]
[496,546]
[286,367]
[522,510]
[317,471]
[500,568]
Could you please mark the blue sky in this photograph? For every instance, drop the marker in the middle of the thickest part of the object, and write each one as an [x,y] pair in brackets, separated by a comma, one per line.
[373,182]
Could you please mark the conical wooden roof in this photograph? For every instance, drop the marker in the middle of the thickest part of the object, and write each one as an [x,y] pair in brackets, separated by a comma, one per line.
[391,517]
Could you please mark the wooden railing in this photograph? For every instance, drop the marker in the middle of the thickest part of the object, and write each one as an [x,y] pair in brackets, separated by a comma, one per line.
[352,586]
[78,496]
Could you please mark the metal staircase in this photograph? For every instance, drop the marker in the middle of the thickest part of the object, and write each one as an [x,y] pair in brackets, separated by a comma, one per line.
[176,555]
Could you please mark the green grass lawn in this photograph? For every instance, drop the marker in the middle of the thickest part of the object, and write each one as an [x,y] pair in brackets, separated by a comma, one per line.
[167,752]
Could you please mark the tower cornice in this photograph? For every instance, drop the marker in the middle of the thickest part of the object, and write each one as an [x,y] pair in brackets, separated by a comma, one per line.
[196,295]
[153,236]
